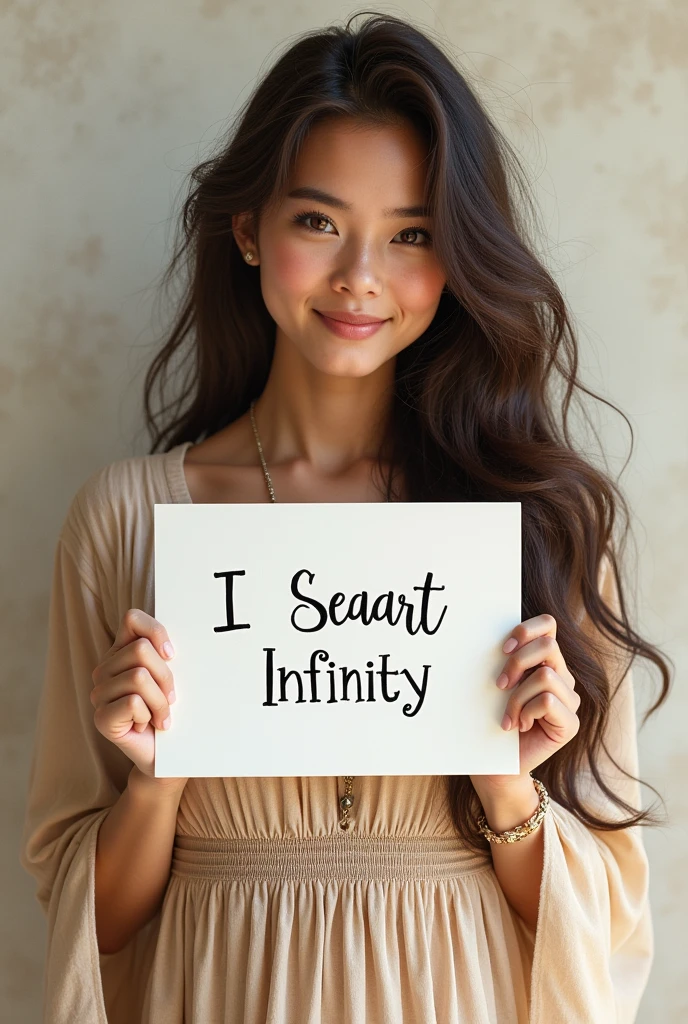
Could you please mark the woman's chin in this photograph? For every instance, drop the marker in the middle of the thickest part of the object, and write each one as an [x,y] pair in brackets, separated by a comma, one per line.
[346,364]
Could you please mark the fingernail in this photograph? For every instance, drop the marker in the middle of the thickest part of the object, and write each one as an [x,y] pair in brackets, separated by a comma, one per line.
[506,722]
[171,697]
[502,680]
[510,645]
[168,649]
[166,723]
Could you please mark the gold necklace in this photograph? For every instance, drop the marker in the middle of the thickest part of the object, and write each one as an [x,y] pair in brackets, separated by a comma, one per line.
[346,801]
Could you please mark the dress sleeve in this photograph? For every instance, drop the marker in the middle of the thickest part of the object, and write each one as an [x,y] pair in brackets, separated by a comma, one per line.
[593,946]
[76,775]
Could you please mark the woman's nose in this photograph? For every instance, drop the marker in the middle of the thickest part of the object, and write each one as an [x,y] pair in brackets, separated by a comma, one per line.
[360,273]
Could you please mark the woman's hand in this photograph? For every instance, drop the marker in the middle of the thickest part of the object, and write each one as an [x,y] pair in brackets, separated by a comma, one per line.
[134,689]
[543,700]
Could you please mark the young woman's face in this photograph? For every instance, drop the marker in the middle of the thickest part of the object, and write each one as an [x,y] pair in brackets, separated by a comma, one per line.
[351,248]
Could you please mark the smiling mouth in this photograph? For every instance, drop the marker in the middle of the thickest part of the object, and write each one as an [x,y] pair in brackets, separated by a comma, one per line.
[353,319]
[353,332]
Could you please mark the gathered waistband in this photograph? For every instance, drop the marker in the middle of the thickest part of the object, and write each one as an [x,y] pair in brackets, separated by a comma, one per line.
[343,858]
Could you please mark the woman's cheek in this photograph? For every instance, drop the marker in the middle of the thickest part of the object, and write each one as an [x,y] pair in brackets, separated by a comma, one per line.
[292,270]
[420,290]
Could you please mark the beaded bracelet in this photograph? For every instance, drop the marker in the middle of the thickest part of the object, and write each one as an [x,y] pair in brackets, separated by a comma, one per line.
[512,835]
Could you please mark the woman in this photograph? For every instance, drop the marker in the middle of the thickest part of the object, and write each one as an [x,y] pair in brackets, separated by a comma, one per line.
[363,181]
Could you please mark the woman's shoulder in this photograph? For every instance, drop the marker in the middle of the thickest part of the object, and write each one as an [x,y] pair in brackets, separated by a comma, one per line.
[119,496]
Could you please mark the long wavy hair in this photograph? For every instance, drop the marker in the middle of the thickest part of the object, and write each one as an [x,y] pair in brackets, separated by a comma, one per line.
[483,397]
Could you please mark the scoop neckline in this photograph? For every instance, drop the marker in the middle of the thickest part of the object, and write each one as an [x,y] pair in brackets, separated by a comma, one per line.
[174,473]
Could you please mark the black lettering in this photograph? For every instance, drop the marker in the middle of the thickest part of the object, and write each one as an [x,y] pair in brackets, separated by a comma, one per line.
[420,690]
[383,673]
[312,671]
[335,602]
[347,673]
[284,675]
[269,703]
[387,599]
[322,611]
[371,682]
[229,601]
[426,588]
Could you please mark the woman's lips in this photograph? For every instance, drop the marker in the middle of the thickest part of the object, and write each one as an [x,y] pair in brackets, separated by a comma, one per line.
[344,330]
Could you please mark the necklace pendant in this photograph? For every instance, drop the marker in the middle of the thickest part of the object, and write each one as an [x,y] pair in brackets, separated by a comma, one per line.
[346,802]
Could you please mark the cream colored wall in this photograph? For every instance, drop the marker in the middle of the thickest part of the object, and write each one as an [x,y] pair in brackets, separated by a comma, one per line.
[105,107]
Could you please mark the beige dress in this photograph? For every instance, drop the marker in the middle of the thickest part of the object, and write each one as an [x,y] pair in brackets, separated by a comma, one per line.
[272,913]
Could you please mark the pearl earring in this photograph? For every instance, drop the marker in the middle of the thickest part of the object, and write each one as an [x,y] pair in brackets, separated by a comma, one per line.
[248,255]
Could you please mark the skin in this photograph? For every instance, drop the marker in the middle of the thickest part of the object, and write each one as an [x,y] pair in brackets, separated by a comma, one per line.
[321,418]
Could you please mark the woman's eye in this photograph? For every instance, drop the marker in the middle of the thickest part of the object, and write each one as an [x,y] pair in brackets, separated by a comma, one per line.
[417,231]
[313,215]
[309,216]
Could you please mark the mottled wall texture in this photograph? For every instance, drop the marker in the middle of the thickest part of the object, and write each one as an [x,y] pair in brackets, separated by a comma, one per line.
[106,106]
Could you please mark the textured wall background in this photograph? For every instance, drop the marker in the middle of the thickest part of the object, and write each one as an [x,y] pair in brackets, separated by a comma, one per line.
[106,106]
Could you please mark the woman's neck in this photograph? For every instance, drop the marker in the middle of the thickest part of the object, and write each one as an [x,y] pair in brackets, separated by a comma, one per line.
[331,422]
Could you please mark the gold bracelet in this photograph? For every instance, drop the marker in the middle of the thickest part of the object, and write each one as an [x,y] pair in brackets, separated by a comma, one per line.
[512,835]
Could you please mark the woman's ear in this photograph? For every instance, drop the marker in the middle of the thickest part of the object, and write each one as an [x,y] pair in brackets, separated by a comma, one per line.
[244,235]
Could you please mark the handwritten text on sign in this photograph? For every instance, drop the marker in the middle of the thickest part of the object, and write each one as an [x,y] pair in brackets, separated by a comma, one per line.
[301,628]
[384,608]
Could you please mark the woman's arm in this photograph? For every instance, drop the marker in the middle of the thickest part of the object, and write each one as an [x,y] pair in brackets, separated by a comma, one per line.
[542,706]
[77,776]
[133,857]
[586,890]
[518,866]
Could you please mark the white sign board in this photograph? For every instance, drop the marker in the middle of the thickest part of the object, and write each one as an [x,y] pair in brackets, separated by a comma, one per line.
[337,638]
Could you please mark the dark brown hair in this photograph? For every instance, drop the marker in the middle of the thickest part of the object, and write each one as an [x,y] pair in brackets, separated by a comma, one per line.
[483,397]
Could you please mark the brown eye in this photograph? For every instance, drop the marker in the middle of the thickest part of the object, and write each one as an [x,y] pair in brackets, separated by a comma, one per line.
[307,216]
[417,231]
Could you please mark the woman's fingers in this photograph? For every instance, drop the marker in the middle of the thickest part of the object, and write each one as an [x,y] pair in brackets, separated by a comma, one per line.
[138,682]
[136,623]
[133,687]
[541,687]
[154,681]
[541,650]
[139,652]
[114,718]
[556,720]
[529,629]
[540,682]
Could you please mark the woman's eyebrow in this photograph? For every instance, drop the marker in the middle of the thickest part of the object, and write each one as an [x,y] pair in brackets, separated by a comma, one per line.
[310,192]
